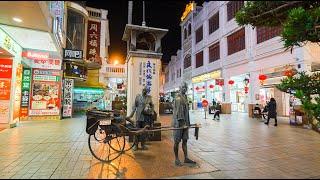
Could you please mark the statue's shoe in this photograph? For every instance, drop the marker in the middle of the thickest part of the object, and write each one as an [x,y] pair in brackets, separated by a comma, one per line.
[177,163]
[144,148]
[135,148]
[189,161]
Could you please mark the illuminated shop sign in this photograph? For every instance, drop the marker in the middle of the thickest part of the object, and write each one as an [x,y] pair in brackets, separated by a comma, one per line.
[67,97]
[42,60]
[208,76]
[72,54]
[93,42]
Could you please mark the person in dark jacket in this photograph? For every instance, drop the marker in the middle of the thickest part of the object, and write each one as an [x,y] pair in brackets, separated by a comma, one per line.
[217,111]
[272,111]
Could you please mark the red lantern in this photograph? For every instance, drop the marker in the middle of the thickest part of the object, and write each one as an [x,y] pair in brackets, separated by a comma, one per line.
[231,82]
[288,73]
[262,77]
[197,88]
[203,87]
[246,89]
[211,86]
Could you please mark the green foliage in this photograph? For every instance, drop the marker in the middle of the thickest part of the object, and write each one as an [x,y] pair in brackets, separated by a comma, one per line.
[300,20]
[307,88]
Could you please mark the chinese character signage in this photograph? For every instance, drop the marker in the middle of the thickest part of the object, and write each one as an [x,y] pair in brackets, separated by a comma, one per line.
[5,86]
[26,81]
[42,60]
[45,94]
[67,98]
[57,9]
[17,94]
[93,42]
[72,54]
[147,72]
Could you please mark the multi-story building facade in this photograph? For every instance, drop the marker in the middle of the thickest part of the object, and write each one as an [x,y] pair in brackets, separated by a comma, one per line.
[88,35]
[222,60]
[174,72]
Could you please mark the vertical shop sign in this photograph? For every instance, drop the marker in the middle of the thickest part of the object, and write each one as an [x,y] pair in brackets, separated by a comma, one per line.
[17,94]
[67,98]
[93,42]
[57,9]
[25,96]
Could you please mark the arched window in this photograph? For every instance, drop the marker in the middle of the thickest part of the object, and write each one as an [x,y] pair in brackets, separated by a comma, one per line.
[187,61]
[189,29]
[185,33]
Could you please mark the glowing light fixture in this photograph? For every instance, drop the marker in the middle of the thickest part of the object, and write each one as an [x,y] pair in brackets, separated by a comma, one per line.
[17,19]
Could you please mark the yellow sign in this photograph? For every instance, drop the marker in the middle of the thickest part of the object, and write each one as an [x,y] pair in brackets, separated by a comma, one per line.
[188,9]
[208,76]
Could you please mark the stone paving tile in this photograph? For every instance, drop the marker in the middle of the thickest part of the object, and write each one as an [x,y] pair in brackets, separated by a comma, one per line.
[238,146]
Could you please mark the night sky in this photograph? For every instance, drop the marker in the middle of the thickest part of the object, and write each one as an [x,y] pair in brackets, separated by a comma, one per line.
[159,14]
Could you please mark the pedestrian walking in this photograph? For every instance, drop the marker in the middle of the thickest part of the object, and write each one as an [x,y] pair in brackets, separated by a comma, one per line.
[217,111]
[272,111]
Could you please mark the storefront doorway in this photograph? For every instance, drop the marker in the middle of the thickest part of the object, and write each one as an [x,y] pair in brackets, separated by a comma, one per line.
[238,96]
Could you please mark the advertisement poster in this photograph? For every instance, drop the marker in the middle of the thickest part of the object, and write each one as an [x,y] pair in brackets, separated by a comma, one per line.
[46,89]
[73,70]
[93,41]
[17,94]
[67,98]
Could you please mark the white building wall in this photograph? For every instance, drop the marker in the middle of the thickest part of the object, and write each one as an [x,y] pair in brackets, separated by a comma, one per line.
[253,60]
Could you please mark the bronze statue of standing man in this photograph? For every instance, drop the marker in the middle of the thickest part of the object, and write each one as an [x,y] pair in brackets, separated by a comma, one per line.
[144,109]
[181,119]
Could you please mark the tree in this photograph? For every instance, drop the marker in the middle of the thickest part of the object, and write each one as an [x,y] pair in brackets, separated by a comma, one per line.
[306,87]
[300,20]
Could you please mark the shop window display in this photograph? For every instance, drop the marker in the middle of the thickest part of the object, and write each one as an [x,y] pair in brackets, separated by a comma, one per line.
[238,97]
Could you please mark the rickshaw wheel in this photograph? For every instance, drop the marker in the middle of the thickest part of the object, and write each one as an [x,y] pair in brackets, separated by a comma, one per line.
[127,146]
[106,146]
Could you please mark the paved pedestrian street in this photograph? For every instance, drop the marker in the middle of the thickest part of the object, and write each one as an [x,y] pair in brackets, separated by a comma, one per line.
[234,147]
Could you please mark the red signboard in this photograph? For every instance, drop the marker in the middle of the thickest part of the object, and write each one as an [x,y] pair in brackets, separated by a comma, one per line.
[5,86]
[204,103]
[93,42]
[5,68]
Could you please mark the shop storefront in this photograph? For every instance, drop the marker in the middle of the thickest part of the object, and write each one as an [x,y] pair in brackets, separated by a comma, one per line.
[10,80]
[206,86]
[268,89]
[84,98]
[239,95]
